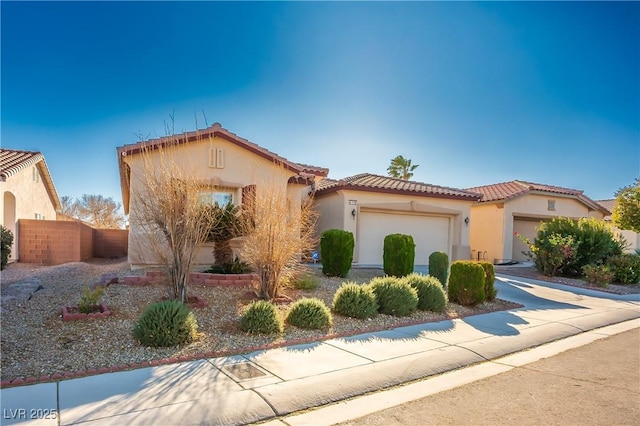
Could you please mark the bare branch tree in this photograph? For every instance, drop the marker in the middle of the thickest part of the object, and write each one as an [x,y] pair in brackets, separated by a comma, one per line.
[99,211]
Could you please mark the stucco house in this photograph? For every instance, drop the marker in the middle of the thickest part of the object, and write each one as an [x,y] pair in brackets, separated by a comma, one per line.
[632,238]
[27,190]
[229,166]
[372,207]
[519,207]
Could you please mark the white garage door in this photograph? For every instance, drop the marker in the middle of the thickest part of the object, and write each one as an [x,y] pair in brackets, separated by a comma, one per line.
[528,228]
[430,233]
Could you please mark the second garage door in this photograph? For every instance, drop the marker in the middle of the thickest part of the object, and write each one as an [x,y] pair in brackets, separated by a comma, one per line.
[430,233]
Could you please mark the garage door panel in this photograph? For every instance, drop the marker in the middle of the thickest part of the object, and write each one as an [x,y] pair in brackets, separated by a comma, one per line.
[528,229]
[430,233]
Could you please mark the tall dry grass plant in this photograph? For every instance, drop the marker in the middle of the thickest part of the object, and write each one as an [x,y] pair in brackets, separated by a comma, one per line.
[282,230]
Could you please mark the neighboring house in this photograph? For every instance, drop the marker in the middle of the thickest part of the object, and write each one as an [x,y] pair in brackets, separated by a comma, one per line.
[372,207]
[27,190]
[519,207]
[230,166]
[632,238]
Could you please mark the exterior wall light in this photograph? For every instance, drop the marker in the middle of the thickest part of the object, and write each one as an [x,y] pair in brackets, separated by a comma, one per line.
[353,213]
[466,220]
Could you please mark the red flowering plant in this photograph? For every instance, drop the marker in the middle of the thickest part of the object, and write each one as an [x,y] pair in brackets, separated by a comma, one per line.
[549,252]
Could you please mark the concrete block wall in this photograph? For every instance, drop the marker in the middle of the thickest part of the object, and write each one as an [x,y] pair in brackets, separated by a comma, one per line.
[110,243]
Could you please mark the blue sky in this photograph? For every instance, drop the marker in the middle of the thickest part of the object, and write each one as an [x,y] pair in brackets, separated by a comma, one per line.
[474,93]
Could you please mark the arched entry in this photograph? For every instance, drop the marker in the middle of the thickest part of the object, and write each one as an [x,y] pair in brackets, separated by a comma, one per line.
[9,220]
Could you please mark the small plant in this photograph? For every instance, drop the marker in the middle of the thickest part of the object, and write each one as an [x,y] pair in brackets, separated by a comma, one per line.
[235,267]
[355,301]
[89,299]
[625,267]
[466,283]
[306,281]
[394,296]
[439,266]
[599,275]
[6,240]
[310,313]
[261,317]
[166,324]
[336,252]
[490,291]
[398,254]
[431,295]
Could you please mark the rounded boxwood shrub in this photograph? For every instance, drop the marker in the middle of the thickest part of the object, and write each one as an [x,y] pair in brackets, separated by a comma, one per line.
[490,291]
[439,266]
[165,324]
[336,252]
[398,254]
[261,317]
[466,283]
[625,267]
[394,296]
[310,313]
[355,301]
[431,295]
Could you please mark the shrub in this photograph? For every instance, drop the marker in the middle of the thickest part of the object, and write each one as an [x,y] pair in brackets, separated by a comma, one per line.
[89,299]
[355,301]
[310,313]
[626,268]
[336,252]
[164,324]
[235,267]
[306,282]
[600,275]
[431,295]
[394,296]
[439,266]
[466,283]
[490,291]
[6,239]
[261,317]
[398,254]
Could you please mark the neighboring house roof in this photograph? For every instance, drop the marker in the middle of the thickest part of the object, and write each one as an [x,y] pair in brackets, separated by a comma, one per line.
[609,205]
[13,161]
[385,184]
[505,191]
[302,172]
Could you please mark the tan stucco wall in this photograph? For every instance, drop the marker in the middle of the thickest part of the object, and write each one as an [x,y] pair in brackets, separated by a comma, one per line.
[31,197]
[486,218]
[632,238]
[337,210]
[241,168]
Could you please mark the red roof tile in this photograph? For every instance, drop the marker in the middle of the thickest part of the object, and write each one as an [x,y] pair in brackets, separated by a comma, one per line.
[508,190]
[13,161]
[609,205]
[376,183]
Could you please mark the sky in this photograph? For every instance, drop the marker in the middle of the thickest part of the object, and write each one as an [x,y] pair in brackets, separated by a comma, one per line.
[474,93]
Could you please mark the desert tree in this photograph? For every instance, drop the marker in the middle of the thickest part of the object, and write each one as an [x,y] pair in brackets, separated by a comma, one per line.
[401,167]
[169,214]
[282,228]
[229,222]
[69,207]
[99,211]
[626,212]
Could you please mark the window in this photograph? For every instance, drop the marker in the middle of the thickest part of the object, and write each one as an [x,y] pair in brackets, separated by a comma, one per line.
[222,198]
[551,205]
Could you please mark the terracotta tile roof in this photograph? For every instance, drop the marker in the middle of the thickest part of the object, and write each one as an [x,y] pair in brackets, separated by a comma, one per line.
[302,172]
[13,161]
[609,205]
[377,183]
[505,191]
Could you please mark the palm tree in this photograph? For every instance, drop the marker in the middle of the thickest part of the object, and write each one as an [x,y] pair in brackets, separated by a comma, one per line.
[401,168]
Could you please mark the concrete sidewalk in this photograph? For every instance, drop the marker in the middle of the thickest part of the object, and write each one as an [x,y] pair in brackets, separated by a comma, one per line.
[277,382]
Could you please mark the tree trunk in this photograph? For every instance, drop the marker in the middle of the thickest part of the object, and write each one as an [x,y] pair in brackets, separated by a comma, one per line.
[222,253]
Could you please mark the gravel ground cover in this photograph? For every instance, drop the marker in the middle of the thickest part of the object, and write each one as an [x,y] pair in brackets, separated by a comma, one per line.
[36,342]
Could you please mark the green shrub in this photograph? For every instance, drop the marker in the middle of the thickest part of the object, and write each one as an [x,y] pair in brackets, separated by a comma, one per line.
[600,275]
[336,252]
[466,283]
[625,267]
[306,281]
[398,254]
[235,267]
[165,324]
[431,295]
[89,299]
[394,296]
[490,291]
[355,301]
[439,266]
[310,313]
[261,317]
[6,239]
